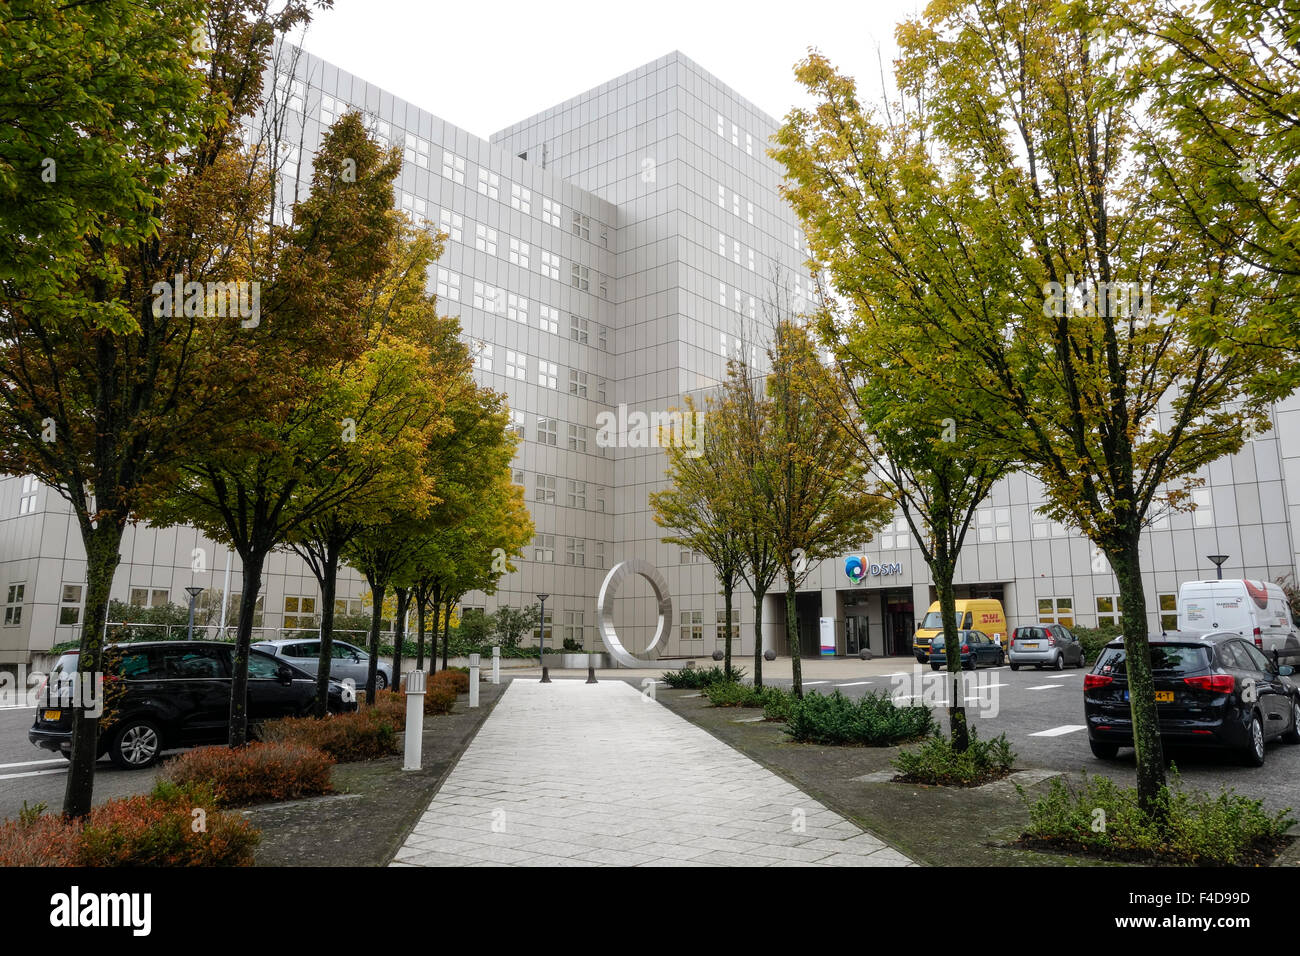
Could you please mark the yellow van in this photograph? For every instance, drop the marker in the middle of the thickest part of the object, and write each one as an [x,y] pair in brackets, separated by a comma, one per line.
[973,614]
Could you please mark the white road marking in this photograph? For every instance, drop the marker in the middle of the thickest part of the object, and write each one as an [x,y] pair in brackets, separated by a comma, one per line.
[1045,687]
[1060,731]
[1060,676]
[809,683]
[861,683]
[33,773]
[31,763]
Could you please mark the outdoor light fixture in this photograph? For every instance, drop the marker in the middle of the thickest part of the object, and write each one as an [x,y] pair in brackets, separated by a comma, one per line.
[194,593]
[541,645]
[1218,560]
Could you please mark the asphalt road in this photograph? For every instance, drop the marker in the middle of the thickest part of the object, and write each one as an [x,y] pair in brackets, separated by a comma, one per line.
[1041,712]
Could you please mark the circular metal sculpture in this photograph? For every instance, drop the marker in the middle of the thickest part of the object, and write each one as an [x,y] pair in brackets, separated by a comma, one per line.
[605,609]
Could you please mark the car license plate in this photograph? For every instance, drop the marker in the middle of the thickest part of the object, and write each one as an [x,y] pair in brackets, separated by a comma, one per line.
[1162,696]
[52,715]
[1031,647]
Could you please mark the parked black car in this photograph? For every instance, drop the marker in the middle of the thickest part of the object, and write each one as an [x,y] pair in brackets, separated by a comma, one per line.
[167,694]
[976,648]
[1212,690]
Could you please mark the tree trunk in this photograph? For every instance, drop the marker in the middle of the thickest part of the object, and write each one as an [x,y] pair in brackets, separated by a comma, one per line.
[103,555]
[1126,563]
[252,584]
[399,633]
[943,574]
[792,635]
[758,638]
[421,598]
[446,630]
[328,588]
[727,588]
[377,590]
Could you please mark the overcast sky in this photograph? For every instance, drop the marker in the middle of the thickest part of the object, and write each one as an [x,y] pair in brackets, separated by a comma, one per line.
[484,65]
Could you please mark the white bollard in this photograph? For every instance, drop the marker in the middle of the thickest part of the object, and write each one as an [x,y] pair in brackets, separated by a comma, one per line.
[496,665]
[414,719]
[473,680]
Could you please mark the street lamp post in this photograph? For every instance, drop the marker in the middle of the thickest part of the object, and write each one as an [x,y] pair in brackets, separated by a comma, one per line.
[541,644]
[1218,560]
[194,593]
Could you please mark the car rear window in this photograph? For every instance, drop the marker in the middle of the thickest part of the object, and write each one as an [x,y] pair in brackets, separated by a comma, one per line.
[1166,660]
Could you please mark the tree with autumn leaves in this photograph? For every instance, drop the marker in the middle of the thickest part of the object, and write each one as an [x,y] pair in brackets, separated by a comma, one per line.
[122,166]
[1008,214]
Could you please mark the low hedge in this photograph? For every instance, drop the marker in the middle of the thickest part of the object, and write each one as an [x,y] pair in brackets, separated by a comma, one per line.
[697,678]
[363,735]
[873,720]
[257,773]
[734,694]
[454,678]
[1100,818]
[937,763]
[164,828]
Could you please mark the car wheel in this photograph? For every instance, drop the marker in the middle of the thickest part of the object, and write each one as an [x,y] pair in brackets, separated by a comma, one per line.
[381,681]
[1002,658]
[1015,666]
[1103,750]
[1083,660]
[1059,663]
[1254,752]
[934,667]
[1292,736]
[136,745]
[65,754]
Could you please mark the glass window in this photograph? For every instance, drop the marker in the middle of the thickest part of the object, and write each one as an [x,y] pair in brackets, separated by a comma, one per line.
[1168,611]
[262,666]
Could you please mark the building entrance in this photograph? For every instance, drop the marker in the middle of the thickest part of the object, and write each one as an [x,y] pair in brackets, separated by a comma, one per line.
[857,633]
[900,623]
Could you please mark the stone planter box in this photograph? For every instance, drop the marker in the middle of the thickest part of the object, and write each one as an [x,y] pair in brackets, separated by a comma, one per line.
[567,661]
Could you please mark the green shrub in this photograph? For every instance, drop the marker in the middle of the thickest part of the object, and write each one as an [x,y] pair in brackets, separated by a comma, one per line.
[256,773]
[364,735]
[734,694]
[1094,639]
[1100,817]
[154,830]
[697,678]
[777,703]
[937,763]
[873,720]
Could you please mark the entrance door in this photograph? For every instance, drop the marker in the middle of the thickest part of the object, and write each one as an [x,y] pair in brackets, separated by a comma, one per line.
[856,634]
[900,625]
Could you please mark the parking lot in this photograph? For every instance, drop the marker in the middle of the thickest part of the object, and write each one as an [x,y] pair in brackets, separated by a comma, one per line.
[1041,712]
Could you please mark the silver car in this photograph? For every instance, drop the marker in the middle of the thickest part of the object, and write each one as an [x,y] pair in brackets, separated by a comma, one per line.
[1044,645]
[346,660]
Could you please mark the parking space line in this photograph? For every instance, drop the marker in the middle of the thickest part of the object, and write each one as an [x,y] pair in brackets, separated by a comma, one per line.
[1045,687]
[1059,676]
[1060,731]
[31,763]
[809,683]
[33,773]
[861,683]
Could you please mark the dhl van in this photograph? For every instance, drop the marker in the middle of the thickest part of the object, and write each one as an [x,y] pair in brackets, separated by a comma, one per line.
[973,614]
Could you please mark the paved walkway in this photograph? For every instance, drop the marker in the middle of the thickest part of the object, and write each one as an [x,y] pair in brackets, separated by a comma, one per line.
[576,774]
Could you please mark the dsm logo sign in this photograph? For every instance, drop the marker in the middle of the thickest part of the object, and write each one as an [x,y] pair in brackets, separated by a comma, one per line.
[858,568]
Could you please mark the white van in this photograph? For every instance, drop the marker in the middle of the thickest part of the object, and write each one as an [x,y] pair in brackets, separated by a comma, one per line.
[1258,610]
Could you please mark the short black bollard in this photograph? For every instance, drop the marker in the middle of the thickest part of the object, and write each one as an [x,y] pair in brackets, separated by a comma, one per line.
[591,675]
[546,675]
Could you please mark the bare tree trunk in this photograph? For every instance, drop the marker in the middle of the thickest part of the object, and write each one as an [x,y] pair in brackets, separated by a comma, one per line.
[328,588]
[446,630]
[252,584]
[758,639]
[377,590]
[421,599]
[399,633]
[943,572]
[792,635]
[726,644]
[103,555]
[1126,563]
